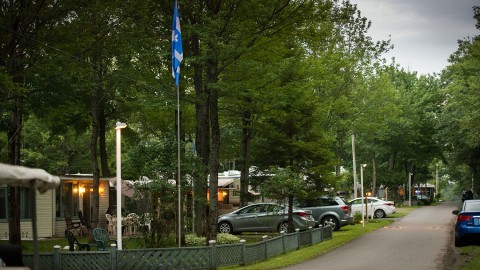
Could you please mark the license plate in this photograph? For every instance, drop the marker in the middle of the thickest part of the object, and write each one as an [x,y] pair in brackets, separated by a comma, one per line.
[476,220]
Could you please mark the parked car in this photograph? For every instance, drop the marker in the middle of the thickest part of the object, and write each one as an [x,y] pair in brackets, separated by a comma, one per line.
[329,211]
[379,208]
[263,217]
[422,197]
[467,225]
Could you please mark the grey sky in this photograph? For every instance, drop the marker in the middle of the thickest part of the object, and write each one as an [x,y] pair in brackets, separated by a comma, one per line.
[424,32]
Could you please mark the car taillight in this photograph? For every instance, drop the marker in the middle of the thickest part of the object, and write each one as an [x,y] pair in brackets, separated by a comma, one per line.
[345,208]
[463,218]
[302,214]
[389,204]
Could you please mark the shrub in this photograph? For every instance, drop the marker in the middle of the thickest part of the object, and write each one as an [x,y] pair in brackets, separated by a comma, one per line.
[225,238]
[195,240]
[357,218]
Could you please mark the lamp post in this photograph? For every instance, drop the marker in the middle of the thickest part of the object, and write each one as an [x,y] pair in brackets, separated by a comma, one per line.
[410,189]
[118,129]
[363,194]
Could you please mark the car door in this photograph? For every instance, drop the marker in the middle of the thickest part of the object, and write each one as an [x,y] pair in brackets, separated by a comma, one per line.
[246,220]
[269,216]
[356,205]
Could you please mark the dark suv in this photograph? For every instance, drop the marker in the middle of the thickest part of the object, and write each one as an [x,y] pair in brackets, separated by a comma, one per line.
[329,211]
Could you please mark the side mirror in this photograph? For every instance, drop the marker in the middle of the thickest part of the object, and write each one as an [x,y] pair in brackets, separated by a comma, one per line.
[455,212]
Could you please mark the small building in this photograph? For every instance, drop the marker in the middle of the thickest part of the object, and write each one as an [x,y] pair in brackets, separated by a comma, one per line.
[73,195]
[425,189]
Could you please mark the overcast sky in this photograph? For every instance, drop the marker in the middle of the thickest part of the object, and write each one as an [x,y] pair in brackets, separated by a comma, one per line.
[424,32]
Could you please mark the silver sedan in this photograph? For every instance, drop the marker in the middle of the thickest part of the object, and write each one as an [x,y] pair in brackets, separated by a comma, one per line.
[263,217]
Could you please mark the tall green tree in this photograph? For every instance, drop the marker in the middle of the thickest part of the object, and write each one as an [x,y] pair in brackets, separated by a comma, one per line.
[459,118]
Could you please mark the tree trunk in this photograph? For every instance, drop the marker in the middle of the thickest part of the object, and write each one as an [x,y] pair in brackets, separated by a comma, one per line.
[212,76]
[290,214]
[101,137]
[14,131]
[96,93]
[202,141]
[244,159]
[214,161]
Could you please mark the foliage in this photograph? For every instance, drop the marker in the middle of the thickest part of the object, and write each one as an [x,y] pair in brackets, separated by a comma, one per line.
[274,84]
[282,184]
[225,238]
[195,240]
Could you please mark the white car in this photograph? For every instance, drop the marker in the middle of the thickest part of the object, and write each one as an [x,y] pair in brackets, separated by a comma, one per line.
[379,208]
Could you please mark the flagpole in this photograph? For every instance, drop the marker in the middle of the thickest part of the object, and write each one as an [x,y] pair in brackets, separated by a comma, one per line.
[177,57]
[179,183]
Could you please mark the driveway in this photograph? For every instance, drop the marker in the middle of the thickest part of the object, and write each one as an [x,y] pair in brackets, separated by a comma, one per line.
[418,241]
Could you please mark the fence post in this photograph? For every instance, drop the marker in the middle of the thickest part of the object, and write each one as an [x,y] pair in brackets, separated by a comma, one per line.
[311,234]
[113,257]
[264,240]
[244,256]
[56,258]
[322,237]
[283,233]
[213,254]
[297,231]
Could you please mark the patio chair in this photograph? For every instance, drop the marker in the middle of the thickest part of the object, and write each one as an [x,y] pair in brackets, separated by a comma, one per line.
[102,238]
[74,227]
[72,240]
[84,225]
[132,222]
[110,224]
[146,221]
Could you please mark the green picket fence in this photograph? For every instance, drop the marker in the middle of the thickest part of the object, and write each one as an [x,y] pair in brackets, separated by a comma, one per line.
[209,257]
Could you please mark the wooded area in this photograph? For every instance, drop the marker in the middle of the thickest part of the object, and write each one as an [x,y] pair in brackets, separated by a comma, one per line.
[270,84]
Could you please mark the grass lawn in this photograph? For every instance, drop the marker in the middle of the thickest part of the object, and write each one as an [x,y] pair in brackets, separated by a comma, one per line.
[473,253]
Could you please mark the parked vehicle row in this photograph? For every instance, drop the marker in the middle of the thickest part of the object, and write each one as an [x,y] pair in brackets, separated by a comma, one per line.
[323,210]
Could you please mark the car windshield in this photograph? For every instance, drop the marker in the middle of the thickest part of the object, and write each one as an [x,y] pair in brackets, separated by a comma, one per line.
[472,206]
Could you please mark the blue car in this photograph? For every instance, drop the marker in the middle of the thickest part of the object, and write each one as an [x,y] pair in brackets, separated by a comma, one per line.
[467,225]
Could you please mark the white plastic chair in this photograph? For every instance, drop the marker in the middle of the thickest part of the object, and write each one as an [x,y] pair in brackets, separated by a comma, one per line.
[146,221]
[132,223]
[111,224]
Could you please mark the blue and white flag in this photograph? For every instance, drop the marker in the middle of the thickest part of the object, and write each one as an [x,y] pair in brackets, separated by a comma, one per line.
[177,50]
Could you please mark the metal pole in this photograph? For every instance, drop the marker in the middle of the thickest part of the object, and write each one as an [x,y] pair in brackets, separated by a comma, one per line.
[363,199]
[179,184]
[410,189]
[354,168]
[118,129]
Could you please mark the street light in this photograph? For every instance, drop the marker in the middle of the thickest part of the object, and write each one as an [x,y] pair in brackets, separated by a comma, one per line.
[118,129]
[363,197]
[410,189]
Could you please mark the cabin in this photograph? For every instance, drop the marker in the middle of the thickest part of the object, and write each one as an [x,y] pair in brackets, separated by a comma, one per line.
[73,195]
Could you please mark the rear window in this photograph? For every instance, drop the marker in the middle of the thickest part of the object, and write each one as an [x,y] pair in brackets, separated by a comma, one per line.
[472,206]
[330,201]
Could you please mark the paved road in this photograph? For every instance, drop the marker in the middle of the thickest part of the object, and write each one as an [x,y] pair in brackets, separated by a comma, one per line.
[418,241]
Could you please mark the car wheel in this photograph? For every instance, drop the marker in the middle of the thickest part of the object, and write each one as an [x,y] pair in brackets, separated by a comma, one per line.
[283,227]
[379,213]
[458,241]
[332,222]
[225,227]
